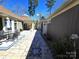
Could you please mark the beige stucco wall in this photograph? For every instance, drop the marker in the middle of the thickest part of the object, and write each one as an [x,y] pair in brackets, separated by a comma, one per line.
[65,24]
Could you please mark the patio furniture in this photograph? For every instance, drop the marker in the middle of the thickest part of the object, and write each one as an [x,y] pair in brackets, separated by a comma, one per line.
[2,37]
[15,35]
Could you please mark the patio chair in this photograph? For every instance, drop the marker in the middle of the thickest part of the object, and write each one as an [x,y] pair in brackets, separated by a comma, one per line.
[2,37]
[15,35]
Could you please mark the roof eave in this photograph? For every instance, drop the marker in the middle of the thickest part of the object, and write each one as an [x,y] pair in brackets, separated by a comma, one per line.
[64,8]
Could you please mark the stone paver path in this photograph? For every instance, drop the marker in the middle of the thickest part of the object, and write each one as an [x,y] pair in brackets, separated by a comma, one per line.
[39,48]
[30,46]
[20,49]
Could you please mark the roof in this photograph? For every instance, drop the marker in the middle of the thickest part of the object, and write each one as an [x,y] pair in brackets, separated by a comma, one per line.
[7,12]
[26,19]
[66,6]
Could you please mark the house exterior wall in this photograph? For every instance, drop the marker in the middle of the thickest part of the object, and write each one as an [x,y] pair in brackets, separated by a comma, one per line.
[64,24]
[15,25]
[20,26]
[45,28]
[5,26]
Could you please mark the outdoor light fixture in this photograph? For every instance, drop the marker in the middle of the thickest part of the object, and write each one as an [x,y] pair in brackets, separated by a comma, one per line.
[7,18]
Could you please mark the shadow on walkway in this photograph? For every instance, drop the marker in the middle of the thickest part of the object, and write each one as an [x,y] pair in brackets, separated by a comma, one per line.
[39,48]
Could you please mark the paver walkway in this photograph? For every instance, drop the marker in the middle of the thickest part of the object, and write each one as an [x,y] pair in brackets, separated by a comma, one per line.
[39,48]
[31,46]
[20,49]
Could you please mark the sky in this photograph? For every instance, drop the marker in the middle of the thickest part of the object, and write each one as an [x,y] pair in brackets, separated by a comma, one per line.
[11,5]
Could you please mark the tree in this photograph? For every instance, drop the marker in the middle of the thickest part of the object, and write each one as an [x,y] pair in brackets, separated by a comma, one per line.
[49,4]
[32,6]
[43,18]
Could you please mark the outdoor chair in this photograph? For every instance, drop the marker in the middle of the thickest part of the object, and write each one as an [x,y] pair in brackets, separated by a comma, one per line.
[10,36]
[15,35]
[2,37]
